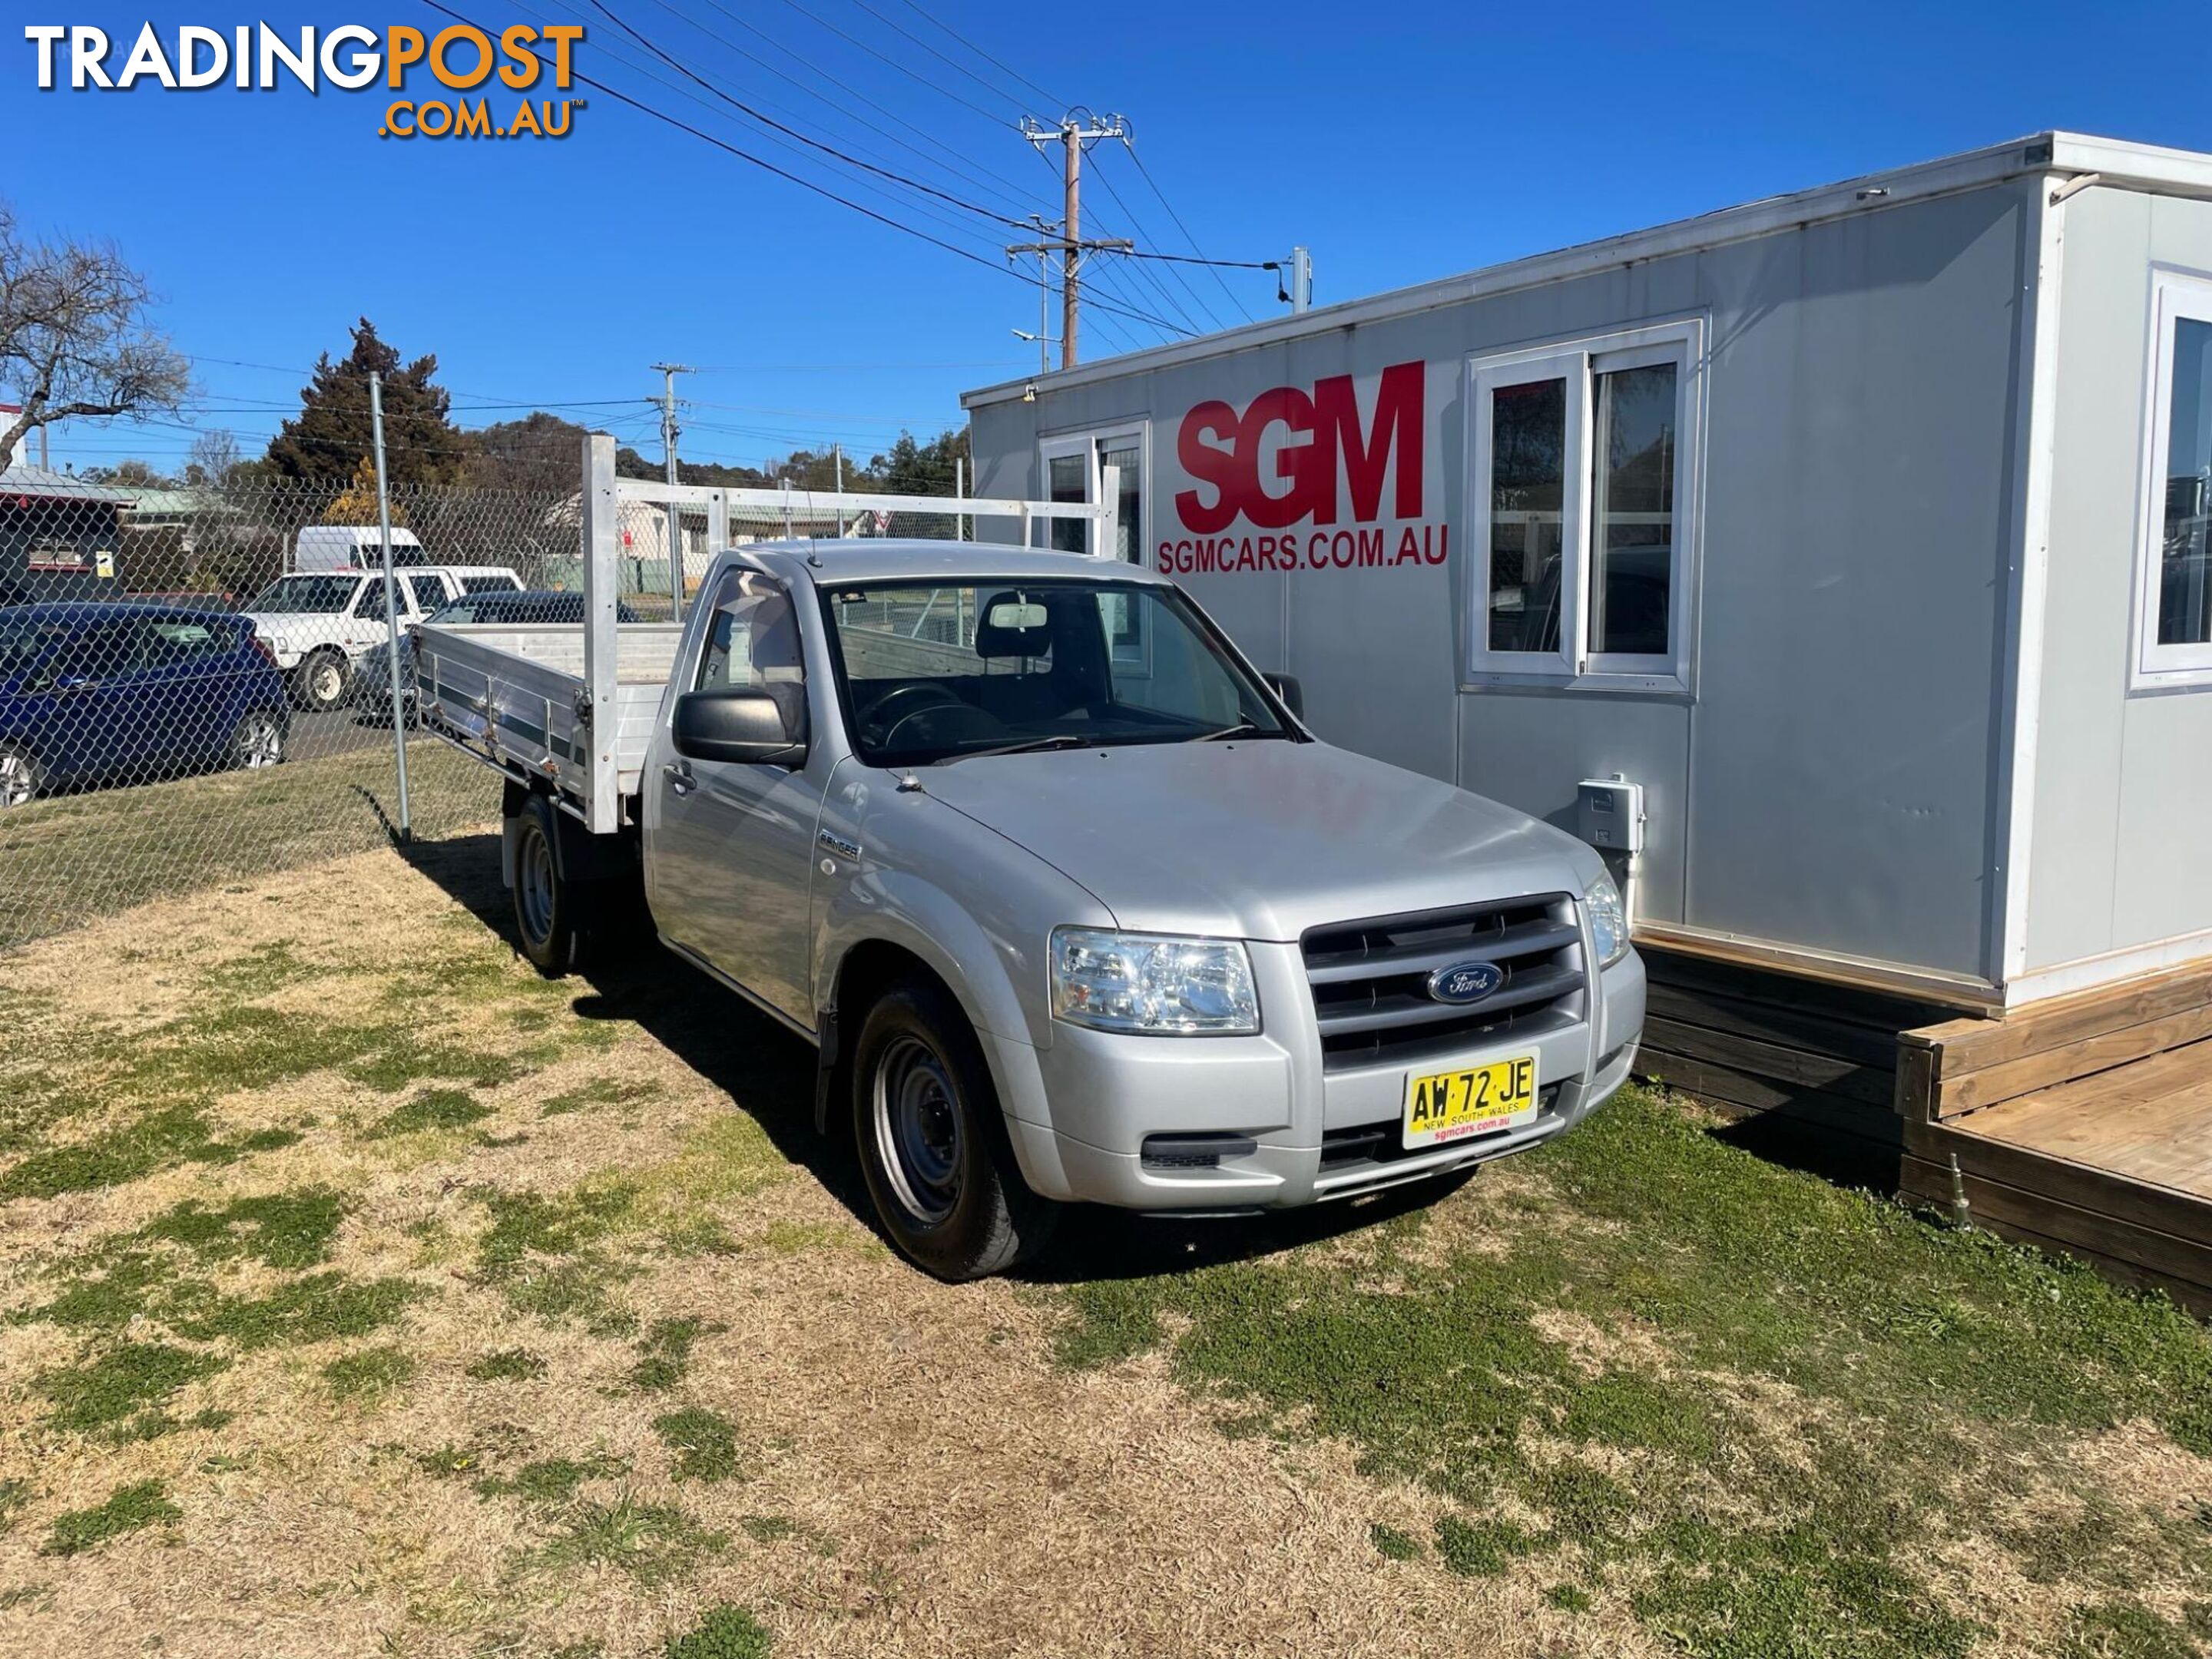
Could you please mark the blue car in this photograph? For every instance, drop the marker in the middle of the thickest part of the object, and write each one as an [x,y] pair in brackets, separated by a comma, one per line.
[104,693]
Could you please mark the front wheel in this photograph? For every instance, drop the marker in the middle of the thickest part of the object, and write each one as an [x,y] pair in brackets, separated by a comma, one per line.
[325,681]
[546,907]
[258,742]
[933,1150]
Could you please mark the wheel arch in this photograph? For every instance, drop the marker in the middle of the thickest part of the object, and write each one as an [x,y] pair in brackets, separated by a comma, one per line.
[862,971]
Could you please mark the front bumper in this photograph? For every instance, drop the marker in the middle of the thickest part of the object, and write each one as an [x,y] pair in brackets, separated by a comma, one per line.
[1077,1113]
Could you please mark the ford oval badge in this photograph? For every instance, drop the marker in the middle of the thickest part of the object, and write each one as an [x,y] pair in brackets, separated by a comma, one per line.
[1466,982]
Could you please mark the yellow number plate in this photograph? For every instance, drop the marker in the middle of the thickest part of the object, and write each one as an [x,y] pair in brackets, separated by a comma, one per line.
[1446,1106]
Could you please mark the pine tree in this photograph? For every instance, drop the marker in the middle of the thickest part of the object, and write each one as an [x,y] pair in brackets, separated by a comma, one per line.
[331,436]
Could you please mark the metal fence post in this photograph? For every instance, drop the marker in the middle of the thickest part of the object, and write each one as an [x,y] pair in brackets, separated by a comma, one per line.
[602,545]
[390,601]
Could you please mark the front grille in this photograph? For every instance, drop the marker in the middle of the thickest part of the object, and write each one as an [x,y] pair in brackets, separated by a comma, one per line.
[1385,1142]
[1369,979]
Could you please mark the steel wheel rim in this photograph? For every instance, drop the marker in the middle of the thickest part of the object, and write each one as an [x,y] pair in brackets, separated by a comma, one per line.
[534,883]
[917,1130]
[15,780]
[325,682]
[258,743]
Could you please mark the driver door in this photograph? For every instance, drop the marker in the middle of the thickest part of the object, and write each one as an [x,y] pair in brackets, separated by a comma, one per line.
[730,847]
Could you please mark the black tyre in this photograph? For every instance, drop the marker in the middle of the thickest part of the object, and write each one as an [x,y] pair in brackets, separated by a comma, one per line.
[548,910]
[258,741]
[932,1144]
[323,681]
[20,780]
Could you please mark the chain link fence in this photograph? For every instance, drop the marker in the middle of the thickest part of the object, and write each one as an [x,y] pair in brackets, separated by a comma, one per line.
[195,683]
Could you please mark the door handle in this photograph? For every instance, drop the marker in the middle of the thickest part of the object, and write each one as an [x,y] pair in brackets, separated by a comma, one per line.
[678,774]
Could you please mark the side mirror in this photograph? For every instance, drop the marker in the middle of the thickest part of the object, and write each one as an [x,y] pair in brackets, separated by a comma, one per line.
[740,725]
[1286,687]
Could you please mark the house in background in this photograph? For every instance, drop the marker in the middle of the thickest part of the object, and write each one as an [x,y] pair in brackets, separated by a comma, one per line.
[58,534]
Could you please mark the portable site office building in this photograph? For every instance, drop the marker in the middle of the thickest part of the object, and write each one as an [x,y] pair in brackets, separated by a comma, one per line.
[1865,529]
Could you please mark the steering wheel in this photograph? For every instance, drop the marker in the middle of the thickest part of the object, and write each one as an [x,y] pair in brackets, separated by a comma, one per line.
[881,716]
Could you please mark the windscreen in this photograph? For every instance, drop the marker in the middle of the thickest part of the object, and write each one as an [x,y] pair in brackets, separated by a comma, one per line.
[301,596]
[934,672]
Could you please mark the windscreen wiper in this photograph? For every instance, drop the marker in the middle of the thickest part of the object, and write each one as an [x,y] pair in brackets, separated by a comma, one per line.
[1242,729]
[1028,746]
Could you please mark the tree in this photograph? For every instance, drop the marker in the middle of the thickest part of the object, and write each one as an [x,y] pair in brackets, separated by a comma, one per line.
[331,435]
[213,458]
[930,469]
[539,455]
[74,340]
[131,474]
[356,503]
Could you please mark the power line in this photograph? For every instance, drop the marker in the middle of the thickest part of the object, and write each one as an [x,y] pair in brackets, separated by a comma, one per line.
[1145,173]
[812,143]
[975,171]
[615,50]
[785,173]
[1145,271]
[934,86]
[1007,68]
[932,50]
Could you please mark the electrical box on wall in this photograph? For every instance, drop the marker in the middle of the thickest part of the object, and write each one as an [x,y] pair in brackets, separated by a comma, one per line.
[1610,813]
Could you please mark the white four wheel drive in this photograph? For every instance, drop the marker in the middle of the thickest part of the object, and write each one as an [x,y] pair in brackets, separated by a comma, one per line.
[1071,903]
[319,623]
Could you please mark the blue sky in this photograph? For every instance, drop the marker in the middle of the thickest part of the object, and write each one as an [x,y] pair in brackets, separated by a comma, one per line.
[1399,141]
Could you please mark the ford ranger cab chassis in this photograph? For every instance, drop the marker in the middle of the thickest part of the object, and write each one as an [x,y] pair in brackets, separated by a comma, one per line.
[1073,904]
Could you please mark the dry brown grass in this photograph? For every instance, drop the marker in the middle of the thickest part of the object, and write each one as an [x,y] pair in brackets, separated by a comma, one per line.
[916,1474]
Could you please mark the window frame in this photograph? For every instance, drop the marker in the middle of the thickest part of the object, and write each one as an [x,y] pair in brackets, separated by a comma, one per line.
[1578,361]
[2175,295]
[1090,442]
[1086,441]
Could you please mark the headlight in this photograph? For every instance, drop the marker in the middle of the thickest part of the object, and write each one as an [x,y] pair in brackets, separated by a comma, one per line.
[1152,983]
[1609,921]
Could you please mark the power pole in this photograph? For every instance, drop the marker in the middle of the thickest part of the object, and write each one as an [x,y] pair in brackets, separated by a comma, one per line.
[668,372]
[1044,339]
[1072,135]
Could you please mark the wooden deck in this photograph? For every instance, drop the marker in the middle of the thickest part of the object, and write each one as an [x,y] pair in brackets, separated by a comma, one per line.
[2083,1125]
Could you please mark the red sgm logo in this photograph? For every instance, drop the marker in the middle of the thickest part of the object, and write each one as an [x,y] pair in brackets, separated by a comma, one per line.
[1296,457]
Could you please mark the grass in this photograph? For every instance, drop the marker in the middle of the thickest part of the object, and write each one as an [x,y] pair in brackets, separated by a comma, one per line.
[1393,1545]
[129,1509]
[430,1227]
[508,1365]
[370,1374]
[665,1354]
[66,860]
[1914,1362]
[705,1444]
[726,1633]
[119,1393]
[286,1231]
[652,1543]
[552,1479]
